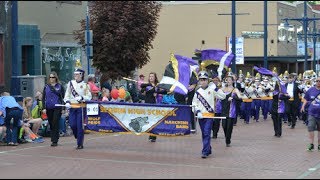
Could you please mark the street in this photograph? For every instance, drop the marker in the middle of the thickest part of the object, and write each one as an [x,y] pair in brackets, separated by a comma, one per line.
[254,153]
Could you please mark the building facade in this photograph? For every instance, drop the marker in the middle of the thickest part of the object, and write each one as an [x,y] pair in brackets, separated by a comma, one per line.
[46,40]
[184,24]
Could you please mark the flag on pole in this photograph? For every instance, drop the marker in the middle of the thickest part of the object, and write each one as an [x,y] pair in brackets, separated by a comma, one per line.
[177,74]
[217,57]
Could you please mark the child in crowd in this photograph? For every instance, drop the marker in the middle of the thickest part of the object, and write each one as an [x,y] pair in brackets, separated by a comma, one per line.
[105,94]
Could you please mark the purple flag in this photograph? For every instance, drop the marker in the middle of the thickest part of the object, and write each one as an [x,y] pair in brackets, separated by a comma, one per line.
[218,55]
[177,74]
[265,71]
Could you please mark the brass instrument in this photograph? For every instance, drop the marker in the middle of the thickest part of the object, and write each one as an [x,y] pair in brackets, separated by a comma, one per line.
[275,70]
[308,83]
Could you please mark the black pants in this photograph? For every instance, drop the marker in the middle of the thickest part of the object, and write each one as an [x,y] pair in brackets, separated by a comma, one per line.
[227,125]
[54,116]
[291,110]
[216,125]
[152,137]
[192,120]
[238,106]
[277,123]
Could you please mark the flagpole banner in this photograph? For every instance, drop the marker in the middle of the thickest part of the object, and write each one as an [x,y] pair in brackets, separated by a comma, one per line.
[139,118]
[239,49]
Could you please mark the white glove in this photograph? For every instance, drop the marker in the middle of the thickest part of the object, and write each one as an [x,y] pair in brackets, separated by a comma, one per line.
[68,105]
[199,115]
[78,98]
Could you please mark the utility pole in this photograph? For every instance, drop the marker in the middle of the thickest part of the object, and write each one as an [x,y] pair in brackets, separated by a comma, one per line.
[233,40]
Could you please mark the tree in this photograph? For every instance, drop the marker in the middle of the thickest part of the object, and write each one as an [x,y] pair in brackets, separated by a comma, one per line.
[123,32]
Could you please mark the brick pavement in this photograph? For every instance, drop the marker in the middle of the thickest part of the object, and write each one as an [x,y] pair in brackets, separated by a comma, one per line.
[254,153]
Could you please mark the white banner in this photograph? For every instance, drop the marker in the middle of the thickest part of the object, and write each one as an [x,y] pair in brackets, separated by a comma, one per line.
[300,49]
[138,118]
[239,49]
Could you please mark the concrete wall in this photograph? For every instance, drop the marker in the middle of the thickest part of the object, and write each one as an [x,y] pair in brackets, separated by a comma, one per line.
[56,22]
[51,16]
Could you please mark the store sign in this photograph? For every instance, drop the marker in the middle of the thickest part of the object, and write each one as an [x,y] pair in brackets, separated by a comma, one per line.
[252,34]
[61,60]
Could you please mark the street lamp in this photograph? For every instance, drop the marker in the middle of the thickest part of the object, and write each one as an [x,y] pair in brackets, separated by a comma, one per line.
[87,38]
[233,38]
[304,20]
[314,36]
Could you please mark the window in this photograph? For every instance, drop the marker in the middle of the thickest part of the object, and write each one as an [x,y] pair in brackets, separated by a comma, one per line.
[291,34]
[282,32]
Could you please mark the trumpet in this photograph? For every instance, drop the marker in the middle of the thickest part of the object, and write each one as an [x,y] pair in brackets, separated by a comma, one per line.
[247,84]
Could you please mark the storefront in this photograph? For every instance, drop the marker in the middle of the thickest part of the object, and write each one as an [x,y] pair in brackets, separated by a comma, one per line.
[61,60]
[59,53]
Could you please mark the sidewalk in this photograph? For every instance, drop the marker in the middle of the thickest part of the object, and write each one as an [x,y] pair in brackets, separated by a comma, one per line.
[254,153]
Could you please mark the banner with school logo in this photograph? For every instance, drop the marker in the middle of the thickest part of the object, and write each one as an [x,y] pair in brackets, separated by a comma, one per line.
[157,119]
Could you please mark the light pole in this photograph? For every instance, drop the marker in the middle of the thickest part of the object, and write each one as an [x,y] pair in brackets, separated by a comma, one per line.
[233,38]
[233,41]
[14,45]
[305,23]
[314,39]
[265,37]
[87,39]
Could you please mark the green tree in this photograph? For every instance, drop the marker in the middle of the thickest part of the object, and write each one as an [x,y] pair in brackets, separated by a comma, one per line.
[123,32]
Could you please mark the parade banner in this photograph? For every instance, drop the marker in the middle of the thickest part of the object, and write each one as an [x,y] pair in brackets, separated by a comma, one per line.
[138,118]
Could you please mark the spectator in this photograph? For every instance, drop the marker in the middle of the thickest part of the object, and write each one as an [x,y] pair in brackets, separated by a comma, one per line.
[105,94]
[2,132]
[11,111]
[27,117]
[141,96]
[140,81]
[128,98]
[312,97]
[131,87]
[93,88]
[37,100]
[53,94]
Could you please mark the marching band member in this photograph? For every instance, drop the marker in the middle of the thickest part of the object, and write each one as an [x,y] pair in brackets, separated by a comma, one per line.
[266,98]
[278,107]
[293,103]
[229,108]
[218,110]
[76,93]
[256,96]
[204,102]
[246,99]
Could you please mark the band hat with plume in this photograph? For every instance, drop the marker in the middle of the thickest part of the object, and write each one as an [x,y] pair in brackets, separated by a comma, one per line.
[203,75]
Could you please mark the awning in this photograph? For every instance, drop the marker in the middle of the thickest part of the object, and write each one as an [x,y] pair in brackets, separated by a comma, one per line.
[279,59]
[59,39]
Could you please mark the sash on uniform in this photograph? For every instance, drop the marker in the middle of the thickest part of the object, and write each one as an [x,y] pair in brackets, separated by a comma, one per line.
[73,91]
[256,93]
[204,103]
